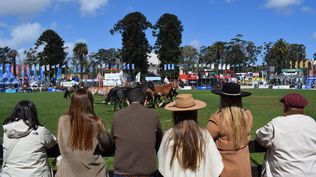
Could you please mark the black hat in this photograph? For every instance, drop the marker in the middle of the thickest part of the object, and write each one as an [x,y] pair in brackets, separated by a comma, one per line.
[231,89]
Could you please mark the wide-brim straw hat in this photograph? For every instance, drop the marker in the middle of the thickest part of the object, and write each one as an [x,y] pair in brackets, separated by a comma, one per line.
[185,102]
[231,89]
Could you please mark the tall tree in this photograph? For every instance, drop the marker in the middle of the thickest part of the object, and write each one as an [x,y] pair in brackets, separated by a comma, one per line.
[53,52]
[12,55]
[4,56]
[217,52]
[168,31]
[135,46]
[278,55]
[296,54]
[189,55]
[80,51]
[314,56]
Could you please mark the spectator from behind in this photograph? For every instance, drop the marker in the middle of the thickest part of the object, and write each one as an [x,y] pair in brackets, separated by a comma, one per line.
[230,128]
[25,142]
[136,133]
[81,139]
[291,141]
[187,150]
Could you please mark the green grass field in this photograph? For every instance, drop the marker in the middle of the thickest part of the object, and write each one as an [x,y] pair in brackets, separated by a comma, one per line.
[264,104]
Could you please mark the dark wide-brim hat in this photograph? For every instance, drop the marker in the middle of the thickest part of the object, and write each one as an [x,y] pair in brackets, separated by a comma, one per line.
[231,89]
[294,100]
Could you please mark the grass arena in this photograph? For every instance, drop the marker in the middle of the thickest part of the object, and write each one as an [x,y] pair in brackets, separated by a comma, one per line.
[264,104]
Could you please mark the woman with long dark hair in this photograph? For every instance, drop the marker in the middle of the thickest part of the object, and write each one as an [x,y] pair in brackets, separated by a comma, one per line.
[187,150]
[25,142]
[230,128]
[81,139]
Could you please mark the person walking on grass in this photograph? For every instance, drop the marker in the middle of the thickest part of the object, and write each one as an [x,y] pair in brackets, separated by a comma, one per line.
[290,140]
[136,134]
[25,142]
[187,150]
[230,128]
[82,138]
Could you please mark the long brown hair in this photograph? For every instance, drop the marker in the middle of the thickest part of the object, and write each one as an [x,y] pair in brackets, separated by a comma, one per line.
[189,144]
[84,124]
[235,119]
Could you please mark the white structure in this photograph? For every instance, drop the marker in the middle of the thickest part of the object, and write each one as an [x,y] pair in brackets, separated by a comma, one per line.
[153,62]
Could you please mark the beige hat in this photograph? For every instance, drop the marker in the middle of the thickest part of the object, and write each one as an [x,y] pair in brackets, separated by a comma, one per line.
[185,102]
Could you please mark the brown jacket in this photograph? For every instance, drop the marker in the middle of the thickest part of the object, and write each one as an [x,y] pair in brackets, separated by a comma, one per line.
[80,163]
[236,161]
[137,134]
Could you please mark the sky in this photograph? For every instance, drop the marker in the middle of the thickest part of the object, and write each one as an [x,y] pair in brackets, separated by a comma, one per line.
[204,21]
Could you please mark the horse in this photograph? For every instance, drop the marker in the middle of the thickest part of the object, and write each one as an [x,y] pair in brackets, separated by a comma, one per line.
[168,91]
[70,90]
[100,90]
[117,96]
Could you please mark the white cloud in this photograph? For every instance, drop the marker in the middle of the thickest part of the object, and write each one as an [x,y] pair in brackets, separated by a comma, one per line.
[21,7]
[21,35]
[307,9]
[314,35]
[195,43]
[89,7]
[282,4]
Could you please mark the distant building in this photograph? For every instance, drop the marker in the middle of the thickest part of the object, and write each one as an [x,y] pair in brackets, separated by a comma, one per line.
[154,63]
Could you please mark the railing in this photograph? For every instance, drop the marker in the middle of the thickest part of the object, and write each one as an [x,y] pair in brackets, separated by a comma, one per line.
[254,147]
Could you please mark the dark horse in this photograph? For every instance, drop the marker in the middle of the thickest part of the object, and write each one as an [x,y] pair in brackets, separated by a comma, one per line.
[118,95]
[70,90]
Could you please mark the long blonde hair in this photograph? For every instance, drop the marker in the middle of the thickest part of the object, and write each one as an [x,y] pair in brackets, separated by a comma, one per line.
[189,144]
[235,119]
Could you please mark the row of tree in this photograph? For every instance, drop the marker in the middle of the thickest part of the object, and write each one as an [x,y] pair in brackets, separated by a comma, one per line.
[239,53]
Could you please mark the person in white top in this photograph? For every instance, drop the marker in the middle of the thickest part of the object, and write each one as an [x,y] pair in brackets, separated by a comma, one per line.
[25,142]
[187,150]
[290,140]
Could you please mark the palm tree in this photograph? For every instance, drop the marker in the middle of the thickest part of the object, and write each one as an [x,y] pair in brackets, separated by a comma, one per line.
[12,54]
[217,52]
[80,51]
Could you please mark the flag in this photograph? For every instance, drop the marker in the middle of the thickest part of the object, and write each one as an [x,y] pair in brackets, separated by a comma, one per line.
[172,66]
[83,69]
[133,66]
[1,71]
[306,64]
[212,66]
[28,74]
[137,77]
[22,72]
[127,66]
[47,67]
[57,66]
[228,66]
[34,72]
[169,67]
[53,66]
[165,67]
[224,66]
[17,69]
[63,66]
[91,69]
[42,72]
[37,67]
[219,66]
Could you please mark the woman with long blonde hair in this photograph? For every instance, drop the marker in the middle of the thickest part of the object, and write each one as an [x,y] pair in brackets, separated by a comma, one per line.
[81,139]
[230,128]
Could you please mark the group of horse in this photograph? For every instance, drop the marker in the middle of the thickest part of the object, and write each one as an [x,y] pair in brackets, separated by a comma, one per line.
[156,95]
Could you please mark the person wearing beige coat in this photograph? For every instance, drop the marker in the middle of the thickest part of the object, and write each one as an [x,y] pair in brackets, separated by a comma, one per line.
[82,158]
[230,128]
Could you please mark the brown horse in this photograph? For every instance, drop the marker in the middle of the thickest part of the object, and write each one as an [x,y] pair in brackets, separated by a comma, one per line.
[168,91]
[100,90]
